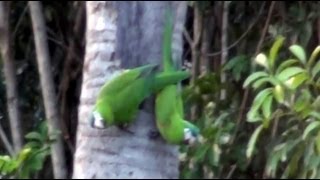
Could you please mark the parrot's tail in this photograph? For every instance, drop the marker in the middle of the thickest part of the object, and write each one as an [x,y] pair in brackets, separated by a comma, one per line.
[148,70]
[168,78]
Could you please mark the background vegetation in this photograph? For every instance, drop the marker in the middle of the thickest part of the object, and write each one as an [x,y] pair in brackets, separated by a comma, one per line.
[259,116]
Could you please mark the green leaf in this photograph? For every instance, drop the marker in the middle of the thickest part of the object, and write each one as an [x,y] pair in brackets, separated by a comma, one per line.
[258,100]
[313,56]
[34,135]
[309,151]
[266,107]
[216,154]
[201,152]
[285,64]
[318,143]
[287,73]
[301,104]
[309,128]
[314,161]
[278,93]
[253,116]
[274,50]
[254,77]
[263,80]
[296,81]
[293,164]
[252,141]
[315,114]
[33,144]
[315,69]
[299,52]
[262,60]
[272,165]
[24,153]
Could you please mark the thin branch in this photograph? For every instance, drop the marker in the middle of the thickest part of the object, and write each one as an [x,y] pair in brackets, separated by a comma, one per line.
[242,36]
[187,36]
[233,168]
[224,42]
[6,142]
[20,20]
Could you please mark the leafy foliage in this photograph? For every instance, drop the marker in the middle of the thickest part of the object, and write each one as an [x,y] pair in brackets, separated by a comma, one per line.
[31,158]
[287,93]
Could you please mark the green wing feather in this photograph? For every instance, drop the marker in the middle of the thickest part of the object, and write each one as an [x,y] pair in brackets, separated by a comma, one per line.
[126,78]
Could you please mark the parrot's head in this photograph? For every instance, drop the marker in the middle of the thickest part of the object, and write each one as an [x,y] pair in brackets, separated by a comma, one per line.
[101,116]
[191,133]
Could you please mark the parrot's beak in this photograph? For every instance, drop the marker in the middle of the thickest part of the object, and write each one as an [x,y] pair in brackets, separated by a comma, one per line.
[96,121]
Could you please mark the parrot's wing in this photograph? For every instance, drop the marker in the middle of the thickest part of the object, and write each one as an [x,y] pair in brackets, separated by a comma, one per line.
[166,104]
[122,81]
[179,109]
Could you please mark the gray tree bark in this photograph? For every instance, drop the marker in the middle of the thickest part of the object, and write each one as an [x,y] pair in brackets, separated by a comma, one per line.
[50,100]
[10,76]
[123,35]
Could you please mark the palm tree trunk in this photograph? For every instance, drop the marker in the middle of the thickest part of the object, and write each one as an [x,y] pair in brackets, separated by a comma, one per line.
[123,35]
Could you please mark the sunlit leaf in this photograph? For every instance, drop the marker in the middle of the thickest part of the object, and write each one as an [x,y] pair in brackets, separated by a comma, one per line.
[318,143]
[286,64]
[278,93]
[266,107]
[293,164]
[262,60]
[252,141]
[274,49]
[254,77]
[316,69]
[313,56]
[264,80]
[296,81]
[289,72]
[299,52]
[309,128]
[272,165]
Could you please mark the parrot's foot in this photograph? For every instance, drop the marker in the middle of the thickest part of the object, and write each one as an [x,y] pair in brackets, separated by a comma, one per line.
[125,129]
[153,134]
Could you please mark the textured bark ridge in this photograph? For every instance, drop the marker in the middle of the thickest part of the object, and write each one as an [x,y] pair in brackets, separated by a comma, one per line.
[123,35]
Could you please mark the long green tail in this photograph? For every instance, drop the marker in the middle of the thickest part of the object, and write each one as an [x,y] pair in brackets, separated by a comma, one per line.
[169,78]
[167,47]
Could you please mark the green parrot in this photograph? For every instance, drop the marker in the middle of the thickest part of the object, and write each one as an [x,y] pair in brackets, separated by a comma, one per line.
[169,107]
[118,100]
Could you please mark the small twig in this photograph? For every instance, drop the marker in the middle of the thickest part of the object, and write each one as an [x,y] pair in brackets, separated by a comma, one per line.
[6,142]
[187,36]
[242,36]
[275,128]
[233,168]
[20,20]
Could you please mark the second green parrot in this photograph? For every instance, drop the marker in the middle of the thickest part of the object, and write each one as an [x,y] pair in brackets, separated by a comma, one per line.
[169,107]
